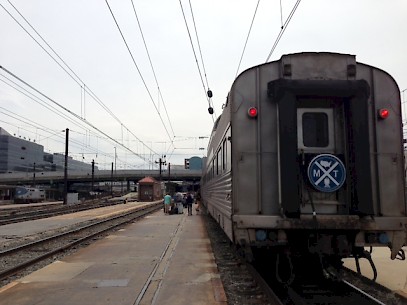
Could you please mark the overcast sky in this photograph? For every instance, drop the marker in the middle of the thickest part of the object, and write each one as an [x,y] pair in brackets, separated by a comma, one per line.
[169,118]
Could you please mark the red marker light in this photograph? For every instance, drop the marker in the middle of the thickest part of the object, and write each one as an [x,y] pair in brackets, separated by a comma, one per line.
[383,113]
[252,112]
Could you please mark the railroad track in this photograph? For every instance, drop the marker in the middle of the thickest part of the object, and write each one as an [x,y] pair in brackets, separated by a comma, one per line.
[16,215]
[17,259]
[307,292]
[383,293]
[327,292]
[311,285]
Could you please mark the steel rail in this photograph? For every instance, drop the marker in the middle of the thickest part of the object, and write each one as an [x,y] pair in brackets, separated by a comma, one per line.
[74,231]
[15,217]
[264,285]
[363,292]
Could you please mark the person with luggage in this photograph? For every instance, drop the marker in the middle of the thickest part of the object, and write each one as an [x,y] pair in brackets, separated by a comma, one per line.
[198,200]
[178,203]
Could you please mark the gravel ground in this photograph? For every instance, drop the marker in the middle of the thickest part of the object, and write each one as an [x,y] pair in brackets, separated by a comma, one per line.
[240,286]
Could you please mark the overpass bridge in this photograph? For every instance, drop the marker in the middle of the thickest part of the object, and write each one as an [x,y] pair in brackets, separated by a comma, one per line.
[57,177]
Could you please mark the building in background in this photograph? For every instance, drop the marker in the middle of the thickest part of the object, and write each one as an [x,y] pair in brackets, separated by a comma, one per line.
[193,163]
[58,163]
[20,155]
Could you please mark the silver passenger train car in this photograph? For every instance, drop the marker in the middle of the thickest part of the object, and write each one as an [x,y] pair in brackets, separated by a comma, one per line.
[307,157]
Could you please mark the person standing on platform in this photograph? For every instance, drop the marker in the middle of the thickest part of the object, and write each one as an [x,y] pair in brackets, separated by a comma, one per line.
[167,203]
[198,200]
[189,202]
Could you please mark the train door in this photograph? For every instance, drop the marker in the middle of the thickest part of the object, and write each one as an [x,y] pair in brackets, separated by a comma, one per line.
[324,154]
[321,155]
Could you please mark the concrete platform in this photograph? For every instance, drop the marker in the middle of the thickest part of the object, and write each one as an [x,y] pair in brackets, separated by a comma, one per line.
[390,273]
[162,259]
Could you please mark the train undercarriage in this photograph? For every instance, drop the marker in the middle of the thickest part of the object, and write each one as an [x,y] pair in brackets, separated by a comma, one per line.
[293,251]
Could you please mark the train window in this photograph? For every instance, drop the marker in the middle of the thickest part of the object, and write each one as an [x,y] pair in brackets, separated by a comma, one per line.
[224,155]
[219,162]
[315,129]
[228,150]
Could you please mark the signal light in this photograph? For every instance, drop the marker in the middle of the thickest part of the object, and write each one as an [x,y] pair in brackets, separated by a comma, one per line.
[383,113]
[252,112]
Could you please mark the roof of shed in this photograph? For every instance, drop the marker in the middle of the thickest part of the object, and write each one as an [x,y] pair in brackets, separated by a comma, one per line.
[148,180]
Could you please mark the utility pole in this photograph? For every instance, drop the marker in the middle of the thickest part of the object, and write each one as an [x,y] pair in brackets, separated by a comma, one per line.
[115,159]
[66,167]
[115,162]
[169,177]
[169,172]
[161,162]
[93,173]
[34,176]
[111,182]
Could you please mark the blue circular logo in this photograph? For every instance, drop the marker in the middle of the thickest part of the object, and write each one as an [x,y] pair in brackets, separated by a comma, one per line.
[326,173]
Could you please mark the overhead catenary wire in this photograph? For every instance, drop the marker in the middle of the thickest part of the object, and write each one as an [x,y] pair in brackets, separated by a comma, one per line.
[51,51]
[50,107]
[38,126]
[42,47]
[247,38]
[36,99]
[41,127]
[196,59]
[199,47]
[138,69]
[76,79]
[283,28]
[152,67]
[75,115]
